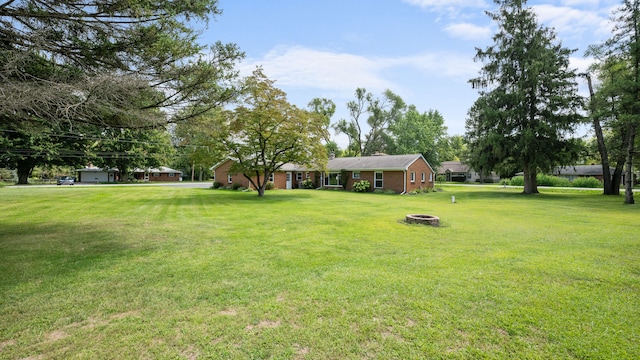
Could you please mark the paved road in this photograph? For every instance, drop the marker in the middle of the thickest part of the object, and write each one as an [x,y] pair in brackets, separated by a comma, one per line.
[184,184]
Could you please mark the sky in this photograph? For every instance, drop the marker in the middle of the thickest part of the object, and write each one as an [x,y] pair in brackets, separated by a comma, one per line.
[422,50]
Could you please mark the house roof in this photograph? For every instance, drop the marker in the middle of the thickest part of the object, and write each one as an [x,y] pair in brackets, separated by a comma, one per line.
[161,169]
[96,169]
[454,167]
[580,170]
[379,162]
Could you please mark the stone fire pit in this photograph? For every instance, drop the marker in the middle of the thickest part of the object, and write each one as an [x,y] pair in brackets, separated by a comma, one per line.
[423,219]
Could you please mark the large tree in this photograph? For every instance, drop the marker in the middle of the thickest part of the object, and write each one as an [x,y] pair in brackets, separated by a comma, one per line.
[113,50]
[414,132]
[266,131]
[26,148]
[195,142]
[370,117]
[528,105]
[610,138]
[127,149]
[326,108]
[618,98]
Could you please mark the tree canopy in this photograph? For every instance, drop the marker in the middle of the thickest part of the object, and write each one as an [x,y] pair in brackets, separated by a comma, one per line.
[616,103]
[100,54]
[266,131]
[528,104]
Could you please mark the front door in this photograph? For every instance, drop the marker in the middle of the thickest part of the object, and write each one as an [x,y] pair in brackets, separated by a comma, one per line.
[289,180]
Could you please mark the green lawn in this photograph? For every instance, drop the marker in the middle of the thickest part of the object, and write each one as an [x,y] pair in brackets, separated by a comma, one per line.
[163,272]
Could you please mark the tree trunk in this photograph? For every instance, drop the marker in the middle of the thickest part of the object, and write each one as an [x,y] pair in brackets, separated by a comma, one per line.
[193,172]
[628,181]
[616,179]
[530,181]
[609,186]
[24,170]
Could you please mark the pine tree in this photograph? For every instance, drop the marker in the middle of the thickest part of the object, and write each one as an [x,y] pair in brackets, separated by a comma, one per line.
[528,98]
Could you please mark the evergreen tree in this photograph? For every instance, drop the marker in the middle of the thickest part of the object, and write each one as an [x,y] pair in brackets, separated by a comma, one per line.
[528,98]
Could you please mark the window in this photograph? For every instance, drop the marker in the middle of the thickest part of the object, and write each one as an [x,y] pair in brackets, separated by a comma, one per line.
[307,176]
[423,177]
[172,175]
[413,176]
[332,179]
[156,174]
[229,179]
[377,182]
[299,176]
[271,177]
[355,175]
[430,177]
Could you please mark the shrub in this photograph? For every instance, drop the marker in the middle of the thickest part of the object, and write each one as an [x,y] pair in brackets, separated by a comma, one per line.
[217,185]
[361,186]
[441,179]
[542,180]
[587,182]
[554,181]
[308,184]
[517,181]
[270,186]
[236,186]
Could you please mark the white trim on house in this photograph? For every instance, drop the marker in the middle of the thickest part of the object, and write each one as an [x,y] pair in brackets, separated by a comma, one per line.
[375,179]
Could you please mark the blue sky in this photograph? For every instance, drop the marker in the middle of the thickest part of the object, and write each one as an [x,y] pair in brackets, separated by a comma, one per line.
[421,50]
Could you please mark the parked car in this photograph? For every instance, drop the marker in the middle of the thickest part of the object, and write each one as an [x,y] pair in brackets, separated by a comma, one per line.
[66,180]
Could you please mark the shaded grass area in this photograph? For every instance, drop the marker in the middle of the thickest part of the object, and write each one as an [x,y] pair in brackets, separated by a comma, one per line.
[195,273]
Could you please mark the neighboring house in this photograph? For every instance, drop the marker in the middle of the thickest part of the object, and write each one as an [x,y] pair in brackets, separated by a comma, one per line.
[290,176]
[162,173]
[457,171]
[92,174]
[398,173]
[577,171]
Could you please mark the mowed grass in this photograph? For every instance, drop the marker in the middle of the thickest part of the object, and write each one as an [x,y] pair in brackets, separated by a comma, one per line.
[163,272]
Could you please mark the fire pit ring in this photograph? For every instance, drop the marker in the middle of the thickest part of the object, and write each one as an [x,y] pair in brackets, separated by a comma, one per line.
[423,219]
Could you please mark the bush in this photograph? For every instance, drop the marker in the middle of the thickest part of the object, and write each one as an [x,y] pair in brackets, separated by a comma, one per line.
[270,186]
[542,180]
[441,179]
[587,182]
[517,181]
[361,186]
[217,185]
[554,181]
[236,186]
[308,184]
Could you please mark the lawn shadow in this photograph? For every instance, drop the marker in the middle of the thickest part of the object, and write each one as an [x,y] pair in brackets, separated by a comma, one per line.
[43,252]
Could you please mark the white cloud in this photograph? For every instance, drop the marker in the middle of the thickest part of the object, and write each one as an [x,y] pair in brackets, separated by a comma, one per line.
[300,67]
[568,20]
[581,64]
[468,31]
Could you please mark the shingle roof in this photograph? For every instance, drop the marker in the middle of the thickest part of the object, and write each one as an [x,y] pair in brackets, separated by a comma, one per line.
[381,162]
[582,170]
[453,166]
[162,169]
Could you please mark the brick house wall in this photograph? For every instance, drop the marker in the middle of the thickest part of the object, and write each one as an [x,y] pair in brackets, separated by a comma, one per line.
[420,167]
